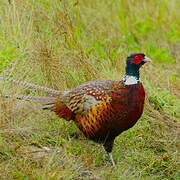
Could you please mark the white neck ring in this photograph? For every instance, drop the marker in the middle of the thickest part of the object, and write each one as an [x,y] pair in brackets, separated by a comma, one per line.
[129,80]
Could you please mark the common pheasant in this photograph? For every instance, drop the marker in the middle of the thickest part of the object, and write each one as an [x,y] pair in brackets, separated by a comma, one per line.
[102,109]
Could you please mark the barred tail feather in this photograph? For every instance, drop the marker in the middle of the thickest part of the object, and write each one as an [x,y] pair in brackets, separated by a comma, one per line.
[48,103]
[42,100]
[33,86]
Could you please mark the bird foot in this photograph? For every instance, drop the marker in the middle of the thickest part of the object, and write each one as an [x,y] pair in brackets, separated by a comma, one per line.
[75,135]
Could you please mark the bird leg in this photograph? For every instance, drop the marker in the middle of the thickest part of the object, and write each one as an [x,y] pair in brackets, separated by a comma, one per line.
[111,159]
[108,145]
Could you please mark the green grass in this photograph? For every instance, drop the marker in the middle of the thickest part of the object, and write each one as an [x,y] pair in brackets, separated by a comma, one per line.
[62,44]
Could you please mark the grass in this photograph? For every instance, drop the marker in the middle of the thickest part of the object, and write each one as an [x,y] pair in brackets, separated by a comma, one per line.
[61,44]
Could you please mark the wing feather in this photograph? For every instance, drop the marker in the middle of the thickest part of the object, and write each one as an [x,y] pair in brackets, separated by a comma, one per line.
[82,99]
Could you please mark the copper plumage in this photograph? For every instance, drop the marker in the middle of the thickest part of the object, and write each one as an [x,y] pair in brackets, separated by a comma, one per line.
[101,109]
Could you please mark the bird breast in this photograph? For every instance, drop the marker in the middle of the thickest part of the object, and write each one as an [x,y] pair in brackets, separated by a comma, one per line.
[114,114]
[128,106]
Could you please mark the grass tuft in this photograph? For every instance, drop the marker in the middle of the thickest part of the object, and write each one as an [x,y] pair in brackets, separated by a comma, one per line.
[61,44]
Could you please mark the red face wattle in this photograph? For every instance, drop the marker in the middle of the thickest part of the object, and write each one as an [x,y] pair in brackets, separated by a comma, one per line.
[138,58]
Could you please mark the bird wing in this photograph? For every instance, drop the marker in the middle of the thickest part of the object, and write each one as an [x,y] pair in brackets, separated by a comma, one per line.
[82,99]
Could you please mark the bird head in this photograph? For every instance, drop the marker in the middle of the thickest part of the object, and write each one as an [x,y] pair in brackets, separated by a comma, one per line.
[137,60]
[134,62]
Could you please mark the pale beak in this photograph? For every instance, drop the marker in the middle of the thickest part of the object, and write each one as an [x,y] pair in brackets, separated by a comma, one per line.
[146,59]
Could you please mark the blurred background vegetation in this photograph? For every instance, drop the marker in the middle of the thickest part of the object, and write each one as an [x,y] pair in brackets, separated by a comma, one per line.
[63,43]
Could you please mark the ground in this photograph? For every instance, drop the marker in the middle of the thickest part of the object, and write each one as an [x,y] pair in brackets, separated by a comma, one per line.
[64,43]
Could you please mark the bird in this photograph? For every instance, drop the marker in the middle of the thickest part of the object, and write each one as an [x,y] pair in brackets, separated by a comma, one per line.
[101,109]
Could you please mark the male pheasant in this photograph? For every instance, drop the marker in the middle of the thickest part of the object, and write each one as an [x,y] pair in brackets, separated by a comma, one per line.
[102,109]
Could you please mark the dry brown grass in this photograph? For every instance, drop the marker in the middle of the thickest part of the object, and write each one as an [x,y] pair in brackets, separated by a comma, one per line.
[62,44]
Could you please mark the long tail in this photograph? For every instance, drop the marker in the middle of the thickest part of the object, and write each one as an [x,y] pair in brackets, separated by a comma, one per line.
[50,91]
[46,102]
